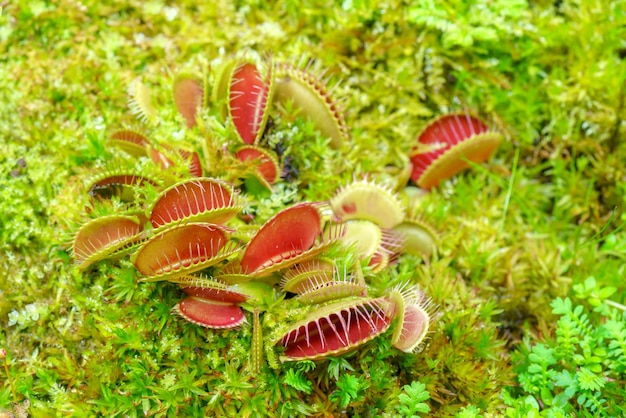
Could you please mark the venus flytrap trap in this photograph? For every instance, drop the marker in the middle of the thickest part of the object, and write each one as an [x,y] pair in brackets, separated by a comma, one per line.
[311,96]
[447,143]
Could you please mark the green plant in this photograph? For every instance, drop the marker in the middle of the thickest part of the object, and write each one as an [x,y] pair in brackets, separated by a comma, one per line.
[582,370]
[412,402]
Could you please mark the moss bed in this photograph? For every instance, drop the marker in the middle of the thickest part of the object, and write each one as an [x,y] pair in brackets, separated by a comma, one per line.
[528,277]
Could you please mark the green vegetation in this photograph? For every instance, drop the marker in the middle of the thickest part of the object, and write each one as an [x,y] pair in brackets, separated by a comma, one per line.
[528,276]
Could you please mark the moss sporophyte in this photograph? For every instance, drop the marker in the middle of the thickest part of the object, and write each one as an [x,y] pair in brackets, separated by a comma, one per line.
[186,215]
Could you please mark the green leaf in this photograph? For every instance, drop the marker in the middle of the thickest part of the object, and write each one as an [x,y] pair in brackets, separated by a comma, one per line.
[348,387]
[412,402]
[541,355]
[589,380]
[336,365]
[294,379]
[470,411]
[561,306]
[566,380]
[606,292]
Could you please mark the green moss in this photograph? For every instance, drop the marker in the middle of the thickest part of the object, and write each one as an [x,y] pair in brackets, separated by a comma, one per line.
[520,236]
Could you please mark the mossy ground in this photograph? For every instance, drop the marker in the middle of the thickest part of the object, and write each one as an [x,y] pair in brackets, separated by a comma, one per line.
[517,234]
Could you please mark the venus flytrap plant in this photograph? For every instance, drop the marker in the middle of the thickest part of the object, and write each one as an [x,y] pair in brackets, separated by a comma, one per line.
[192,235]
[140,101]
[189,97]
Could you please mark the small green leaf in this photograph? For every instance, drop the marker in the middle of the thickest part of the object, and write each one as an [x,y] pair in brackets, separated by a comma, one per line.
[589,380]
[561,306]
[348,388]
[412,402]
[294,379]
[336,365]
[566,380]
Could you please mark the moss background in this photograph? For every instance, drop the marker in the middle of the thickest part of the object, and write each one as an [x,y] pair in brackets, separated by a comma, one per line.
[538,226]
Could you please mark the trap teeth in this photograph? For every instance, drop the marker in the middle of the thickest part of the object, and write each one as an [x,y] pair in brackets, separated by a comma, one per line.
[368,201]
[413,317]
[249,97]
[208,313]
[447,144]
[197,200]
[336,328]
[312,98]
[324,287]
[130,141]
[183,249]
[301,276]
[105,237]
[264,164]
